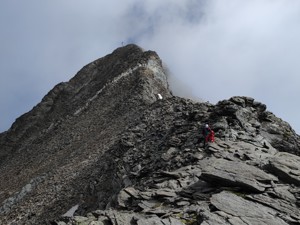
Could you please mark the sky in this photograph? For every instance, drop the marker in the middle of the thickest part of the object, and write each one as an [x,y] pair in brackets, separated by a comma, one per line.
[214,49]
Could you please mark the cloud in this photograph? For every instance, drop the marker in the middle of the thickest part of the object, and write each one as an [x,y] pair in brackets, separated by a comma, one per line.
[216,48]
[237,48]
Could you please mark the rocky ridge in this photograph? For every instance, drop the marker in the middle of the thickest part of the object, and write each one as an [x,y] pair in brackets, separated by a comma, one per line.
[49,153]
[146,165]
[169,178]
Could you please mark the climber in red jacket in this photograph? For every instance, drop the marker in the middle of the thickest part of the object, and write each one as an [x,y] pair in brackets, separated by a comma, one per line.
[208,134]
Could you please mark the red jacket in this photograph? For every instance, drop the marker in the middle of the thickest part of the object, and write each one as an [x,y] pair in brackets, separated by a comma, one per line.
[208,134]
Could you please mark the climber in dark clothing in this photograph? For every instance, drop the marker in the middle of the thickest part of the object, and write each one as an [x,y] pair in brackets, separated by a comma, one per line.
[208,135]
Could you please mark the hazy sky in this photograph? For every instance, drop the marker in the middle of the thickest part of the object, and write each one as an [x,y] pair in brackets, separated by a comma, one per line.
[215,49]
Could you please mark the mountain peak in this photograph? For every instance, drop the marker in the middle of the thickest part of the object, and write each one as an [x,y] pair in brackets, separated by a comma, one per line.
[128,70]
[114,146]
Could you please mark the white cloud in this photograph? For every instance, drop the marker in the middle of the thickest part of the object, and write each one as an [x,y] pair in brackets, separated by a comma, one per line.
[238,48]
[217,48]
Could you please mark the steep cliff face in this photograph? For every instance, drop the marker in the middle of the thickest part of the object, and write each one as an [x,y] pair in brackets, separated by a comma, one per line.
[49,147]
[97,79]
[104,143]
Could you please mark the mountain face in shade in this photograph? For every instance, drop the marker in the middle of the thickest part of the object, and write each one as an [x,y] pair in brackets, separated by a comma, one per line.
[114,146]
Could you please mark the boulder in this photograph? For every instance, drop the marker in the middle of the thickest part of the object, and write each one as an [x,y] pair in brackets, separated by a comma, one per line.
[247,211]
[237,174]
[287,209]
[287,167]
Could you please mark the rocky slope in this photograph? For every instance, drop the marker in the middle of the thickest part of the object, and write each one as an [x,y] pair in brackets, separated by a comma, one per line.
[103,145]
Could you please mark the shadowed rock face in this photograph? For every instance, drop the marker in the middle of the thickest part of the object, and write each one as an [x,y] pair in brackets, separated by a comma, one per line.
[56,145]
[105,145]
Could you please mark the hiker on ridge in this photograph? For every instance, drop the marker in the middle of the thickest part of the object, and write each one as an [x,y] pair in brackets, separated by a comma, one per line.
[208,135]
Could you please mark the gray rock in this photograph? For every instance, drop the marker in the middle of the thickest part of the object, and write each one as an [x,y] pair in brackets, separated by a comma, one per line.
[147,205]
[123,198]
[286,166]
[199,190]
[117,217]
[247,211]
[282,192]
[236,221]
[172,221]
[96,223]
[81,220]
[290,210]
[165,193]
[169,184]
[209,218]
[173,174]
[132,192]
[150,221]
[169,154]
[238,174]
[63,223]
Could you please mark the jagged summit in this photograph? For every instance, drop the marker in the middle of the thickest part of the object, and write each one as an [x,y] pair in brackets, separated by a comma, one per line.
[126,75]
[79,119]
[105,145]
